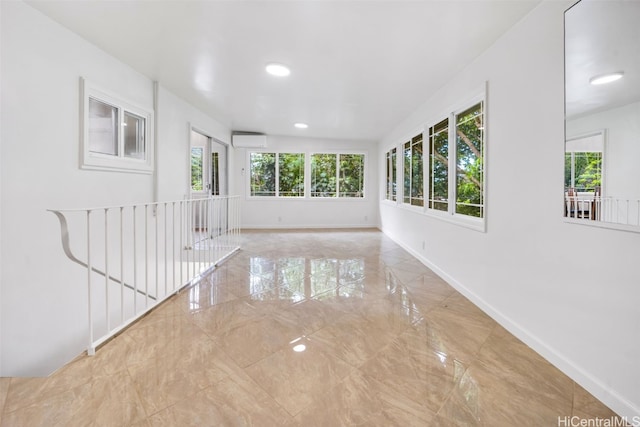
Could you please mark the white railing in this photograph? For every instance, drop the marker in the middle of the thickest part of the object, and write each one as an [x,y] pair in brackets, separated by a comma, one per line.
[139,255]
[604,209]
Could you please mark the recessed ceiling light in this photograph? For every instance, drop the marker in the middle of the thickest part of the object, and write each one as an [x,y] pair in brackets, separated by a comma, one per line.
[606,78]
[278,70]
[301,125]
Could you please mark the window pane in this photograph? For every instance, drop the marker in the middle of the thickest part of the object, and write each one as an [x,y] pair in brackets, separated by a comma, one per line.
[407,172]
[587,171]
[469,158]
[215,174]
[438,166]
[323,175]
[291,175]
[394,175]
[103,128]
[134,144]
[388,190]
[263,174]
[196,168]
[351,175]
[417,181]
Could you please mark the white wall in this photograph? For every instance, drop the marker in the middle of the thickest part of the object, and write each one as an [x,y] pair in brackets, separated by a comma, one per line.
[309,212]
[622,147]
[569,291]
[43,307]
[175,119]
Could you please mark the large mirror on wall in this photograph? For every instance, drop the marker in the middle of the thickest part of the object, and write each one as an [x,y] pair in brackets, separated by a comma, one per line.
[602,114]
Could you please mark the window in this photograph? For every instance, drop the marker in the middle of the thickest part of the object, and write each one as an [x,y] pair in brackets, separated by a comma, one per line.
[470,161]
[337,175]
[456,164]
[215,174]
[263,174]
[323,175]
[291,175]
[439,166]
[116,134]
[277,174]
[583,162]
[392,175]
[413,174]
[582,171]
[351,173]
[196,168]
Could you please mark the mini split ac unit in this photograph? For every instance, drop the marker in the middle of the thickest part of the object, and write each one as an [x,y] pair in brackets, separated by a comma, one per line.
[249,141]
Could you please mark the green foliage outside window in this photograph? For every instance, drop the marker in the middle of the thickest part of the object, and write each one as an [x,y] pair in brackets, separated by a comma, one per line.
[291,175]
[323,175]
[469,157]
[196,168]
[351,183]
[263,174]
[583,171]
[438,166]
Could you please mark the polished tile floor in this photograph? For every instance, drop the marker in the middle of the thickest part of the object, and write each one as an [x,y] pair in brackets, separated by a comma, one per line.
[307,328]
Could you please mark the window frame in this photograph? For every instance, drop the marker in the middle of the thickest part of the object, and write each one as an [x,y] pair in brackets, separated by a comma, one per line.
[450,215]
[391,176]
[411,142]
[276,194]
[307,175]
[338,154]
[92,160]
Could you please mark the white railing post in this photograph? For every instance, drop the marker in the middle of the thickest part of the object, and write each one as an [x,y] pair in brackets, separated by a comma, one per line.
[91,350]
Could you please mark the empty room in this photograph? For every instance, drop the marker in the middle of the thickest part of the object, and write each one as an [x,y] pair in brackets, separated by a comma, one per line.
[331,213]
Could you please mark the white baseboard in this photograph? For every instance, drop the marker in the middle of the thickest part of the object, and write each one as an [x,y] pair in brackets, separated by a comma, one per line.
[609,397]
[306,226]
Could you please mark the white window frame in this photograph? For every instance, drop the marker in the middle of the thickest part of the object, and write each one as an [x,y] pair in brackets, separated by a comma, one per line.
[594,142]
[277,175]
[450,215]
[337,196]
[411,185]
[118,163]
[390,166]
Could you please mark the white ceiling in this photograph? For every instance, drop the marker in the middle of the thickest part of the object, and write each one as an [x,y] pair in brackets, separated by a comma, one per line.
[357,67]
[601,37]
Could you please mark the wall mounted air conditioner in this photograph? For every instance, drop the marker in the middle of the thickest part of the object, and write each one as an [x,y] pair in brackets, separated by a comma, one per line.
[249,140]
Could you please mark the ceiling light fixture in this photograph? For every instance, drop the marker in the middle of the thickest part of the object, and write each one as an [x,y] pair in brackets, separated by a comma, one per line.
[278,70]
[606,78]
[301,125]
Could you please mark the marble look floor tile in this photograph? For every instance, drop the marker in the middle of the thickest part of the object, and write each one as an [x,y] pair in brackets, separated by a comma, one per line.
[516,364]
[234,401]
[464,308]
[176,374]
[4,389]
[451,335]
[413,370]
[112,400]
[155,334]
[296,379]
[481,398]
[360,400]
[222,317]
[354,339]
[584,403]
[309,315]
[201,296]
[253,341]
